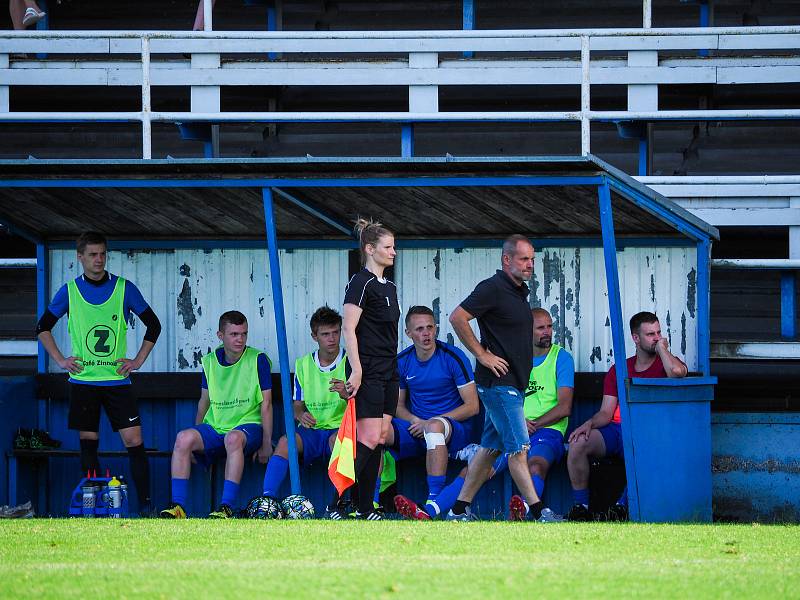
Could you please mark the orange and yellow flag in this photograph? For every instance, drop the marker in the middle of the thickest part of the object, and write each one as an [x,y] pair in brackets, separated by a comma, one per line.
[342,466]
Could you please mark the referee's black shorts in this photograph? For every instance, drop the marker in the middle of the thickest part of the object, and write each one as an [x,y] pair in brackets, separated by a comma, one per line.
[380,385]
[117,400]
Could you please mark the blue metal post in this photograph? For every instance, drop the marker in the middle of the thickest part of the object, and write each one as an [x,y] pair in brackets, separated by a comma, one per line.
[643,151]
[703,306]
[208,149]
[42,296]
[468,19]
[618,338]
[272,25]
[407,140]
[705,14]
[280,330]
[788,309]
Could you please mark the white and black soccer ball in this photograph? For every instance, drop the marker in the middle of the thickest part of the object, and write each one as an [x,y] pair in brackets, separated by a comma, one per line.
[297,507]
[263,507]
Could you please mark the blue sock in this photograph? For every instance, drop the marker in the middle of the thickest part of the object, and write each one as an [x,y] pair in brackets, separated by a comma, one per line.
[623,500]
[230,490]
[180,491]
[277,467]
[581,496]
[446,499]
[377,497]
[538,485]
[500,464]
[435,485]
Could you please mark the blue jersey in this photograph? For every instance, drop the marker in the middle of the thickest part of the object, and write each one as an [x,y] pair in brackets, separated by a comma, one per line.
[264,371]
[565,368]
[433,385]
[93,293]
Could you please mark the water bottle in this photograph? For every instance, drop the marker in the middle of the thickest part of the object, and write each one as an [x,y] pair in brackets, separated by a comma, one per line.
[124,489]
[88,500]
[114,498]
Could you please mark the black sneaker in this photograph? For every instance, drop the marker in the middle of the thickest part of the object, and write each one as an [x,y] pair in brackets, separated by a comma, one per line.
[372,515]
[42,439]
[579,512]
[22,439]
[617,512]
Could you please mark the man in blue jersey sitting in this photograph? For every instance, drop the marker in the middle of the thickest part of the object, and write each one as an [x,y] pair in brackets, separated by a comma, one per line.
[436,407]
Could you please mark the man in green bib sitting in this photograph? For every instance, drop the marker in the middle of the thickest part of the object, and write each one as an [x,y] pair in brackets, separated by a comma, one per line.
[99,306]
[318,408]
[234,417]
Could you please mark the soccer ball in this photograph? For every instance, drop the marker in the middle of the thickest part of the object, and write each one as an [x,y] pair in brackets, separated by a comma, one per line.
[297,507]
[263,507]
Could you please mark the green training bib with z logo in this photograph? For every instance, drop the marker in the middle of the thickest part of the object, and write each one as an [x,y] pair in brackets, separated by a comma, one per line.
[98,333]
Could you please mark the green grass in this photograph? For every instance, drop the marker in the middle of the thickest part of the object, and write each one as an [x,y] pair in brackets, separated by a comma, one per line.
[394,559]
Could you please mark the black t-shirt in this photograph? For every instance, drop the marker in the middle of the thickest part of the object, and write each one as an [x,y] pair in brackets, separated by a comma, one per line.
[506,326]
[377,328]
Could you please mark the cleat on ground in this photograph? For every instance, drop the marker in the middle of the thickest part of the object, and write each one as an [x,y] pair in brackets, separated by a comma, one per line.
[174,511]
[409,509]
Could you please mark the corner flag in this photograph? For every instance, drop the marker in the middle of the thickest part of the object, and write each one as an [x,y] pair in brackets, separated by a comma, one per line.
[342,466]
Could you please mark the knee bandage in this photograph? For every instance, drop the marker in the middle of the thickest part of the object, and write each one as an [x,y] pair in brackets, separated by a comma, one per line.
[434,439]
[437,439]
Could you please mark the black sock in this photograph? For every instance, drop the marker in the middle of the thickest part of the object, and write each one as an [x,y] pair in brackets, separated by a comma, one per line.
[367,480]
[535,510]
[363,455]
[89,459]
[140,471]
[460,507]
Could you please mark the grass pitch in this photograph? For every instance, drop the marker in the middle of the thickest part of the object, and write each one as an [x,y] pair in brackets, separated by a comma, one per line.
[107,558]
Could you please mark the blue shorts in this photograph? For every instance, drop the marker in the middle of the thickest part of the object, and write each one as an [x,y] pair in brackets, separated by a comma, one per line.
[612,436]
[214,443]
[547,443]
[315,443]
[504,428]
[462,433]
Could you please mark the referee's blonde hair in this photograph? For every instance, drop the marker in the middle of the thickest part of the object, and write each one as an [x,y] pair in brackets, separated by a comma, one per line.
[369,232]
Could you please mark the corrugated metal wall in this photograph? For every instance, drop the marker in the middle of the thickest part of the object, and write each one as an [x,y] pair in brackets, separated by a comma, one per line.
[189,289]
[570,283]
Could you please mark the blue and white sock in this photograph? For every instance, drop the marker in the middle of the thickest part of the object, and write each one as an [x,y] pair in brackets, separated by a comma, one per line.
[581,497]
[446,499]
[435,485]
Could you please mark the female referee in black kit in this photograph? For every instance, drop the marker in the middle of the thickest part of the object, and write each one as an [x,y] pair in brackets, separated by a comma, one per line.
[371,315]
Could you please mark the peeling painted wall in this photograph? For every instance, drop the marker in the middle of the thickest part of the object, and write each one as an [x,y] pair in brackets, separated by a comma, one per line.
[189,289]
[570,283]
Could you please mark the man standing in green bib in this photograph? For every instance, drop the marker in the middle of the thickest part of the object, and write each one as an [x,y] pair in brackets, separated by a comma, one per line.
[234,417]
[99,305]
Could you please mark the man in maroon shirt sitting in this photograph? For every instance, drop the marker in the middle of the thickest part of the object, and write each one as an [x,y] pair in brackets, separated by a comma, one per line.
[602,435]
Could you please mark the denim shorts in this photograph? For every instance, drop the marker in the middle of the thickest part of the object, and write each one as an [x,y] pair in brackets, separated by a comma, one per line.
[504,428]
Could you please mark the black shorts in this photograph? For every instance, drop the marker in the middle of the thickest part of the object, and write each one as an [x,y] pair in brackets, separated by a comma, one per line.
[380,385]
[117,400]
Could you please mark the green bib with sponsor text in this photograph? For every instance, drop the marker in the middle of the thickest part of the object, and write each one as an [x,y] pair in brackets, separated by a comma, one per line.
[234,392]
[541,395]
[325,406]
[98,333]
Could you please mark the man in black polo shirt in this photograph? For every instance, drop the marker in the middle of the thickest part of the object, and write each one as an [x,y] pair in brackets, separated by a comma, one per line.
[504,355]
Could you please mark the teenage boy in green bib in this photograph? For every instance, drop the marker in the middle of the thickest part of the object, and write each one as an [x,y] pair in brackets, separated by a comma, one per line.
[234,417]
[318,408]
[99,305]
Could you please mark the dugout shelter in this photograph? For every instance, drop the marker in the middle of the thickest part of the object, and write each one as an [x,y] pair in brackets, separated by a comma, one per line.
[304,208]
